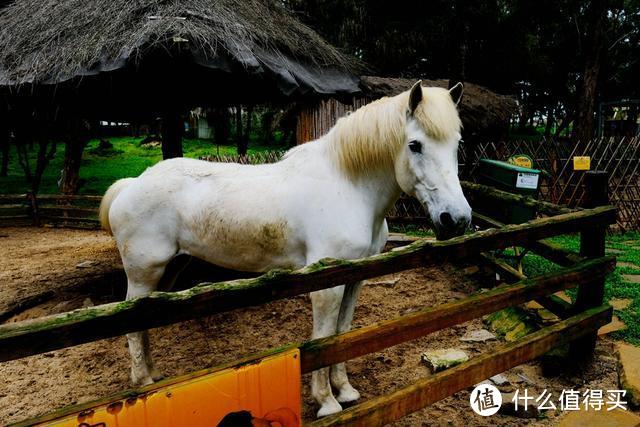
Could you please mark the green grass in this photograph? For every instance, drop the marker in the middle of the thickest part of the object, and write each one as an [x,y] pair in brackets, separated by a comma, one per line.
[100,168]
[615,285]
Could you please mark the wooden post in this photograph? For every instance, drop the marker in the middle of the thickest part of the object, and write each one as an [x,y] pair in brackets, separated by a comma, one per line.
[33,205]
[592,245]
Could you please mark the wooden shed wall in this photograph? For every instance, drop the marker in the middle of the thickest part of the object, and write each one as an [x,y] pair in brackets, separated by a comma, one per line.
[316,120]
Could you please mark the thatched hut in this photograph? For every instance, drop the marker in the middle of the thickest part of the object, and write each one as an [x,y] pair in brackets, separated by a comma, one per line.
[484,113]
[122,59]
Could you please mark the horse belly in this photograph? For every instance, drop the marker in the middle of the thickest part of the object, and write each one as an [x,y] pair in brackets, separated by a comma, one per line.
[241,241]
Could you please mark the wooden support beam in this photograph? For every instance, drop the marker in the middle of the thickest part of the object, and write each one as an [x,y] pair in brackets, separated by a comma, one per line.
[554,304]
[544,248]
[162,308]
[592,245]
[492,193]
[361,341]
[387,408]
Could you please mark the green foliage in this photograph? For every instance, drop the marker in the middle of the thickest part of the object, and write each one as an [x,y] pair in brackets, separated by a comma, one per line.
[101,167]
[615,285]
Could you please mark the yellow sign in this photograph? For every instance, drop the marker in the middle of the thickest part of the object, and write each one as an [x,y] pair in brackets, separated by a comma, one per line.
[521,160]
[581,163]
[265,392]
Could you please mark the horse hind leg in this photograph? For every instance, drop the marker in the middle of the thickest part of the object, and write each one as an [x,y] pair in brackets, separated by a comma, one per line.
[326,310]
[339,379]
[143,276]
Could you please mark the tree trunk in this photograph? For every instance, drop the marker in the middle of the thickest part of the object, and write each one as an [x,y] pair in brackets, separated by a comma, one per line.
[70,180]
[46,153]
[172,130]
[220,121]
[584,124]
[240,143]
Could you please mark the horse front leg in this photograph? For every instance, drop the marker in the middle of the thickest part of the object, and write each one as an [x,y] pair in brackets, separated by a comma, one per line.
[326,311]
[339,379]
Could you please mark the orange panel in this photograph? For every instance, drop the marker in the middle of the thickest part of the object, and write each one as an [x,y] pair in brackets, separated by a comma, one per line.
[268,390]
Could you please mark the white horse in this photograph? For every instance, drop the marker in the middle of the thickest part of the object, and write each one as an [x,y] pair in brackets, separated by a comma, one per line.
[326,198]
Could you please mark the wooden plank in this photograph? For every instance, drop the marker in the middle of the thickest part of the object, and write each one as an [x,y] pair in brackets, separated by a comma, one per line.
[592,245]
[544,248]
[64,197]
[485,191]
[387,408]
[70,210]
[554,304]
[163,308]
[358,342]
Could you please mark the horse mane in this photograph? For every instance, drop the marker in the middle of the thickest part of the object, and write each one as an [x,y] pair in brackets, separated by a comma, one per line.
[372,136]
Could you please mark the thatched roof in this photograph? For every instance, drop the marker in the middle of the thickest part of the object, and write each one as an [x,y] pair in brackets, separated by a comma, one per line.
[481,110]
[53,41]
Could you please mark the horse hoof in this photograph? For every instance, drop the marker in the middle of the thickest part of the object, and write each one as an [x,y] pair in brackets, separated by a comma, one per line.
[156,375]
[332,407]
[348,394]
[142,381]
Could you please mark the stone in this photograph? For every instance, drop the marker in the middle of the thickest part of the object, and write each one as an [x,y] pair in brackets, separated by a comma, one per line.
[86,264]
[512,323]
[401,237]
[615,325]
[614,418]
[629,371]
[620,303]
[499,379]
[386,283]
[626,265]
[439,360]
[631,278]
[532,305]
[509,407]
[472,269]
[479,335]
[87,303]
[563,295]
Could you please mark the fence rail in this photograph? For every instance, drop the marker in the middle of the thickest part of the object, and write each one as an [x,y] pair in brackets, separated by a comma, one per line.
[580,321]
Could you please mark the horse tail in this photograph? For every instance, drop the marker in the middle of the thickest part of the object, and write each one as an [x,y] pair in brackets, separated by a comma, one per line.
[107,200]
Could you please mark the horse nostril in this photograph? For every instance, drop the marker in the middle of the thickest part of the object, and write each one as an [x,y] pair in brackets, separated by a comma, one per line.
[447,220]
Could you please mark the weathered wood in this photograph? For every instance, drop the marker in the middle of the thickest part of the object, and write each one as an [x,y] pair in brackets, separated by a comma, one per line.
[63,197]
[546,249]
[162,308]
[554,304]
[592,245]
[485,191]
[554,253]
[25,304]
[361,341]
[387,408]
[68,210]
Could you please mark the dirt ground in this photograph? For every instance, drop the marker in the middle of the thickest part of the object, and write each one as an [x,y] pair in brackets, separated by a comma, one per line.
[37,260]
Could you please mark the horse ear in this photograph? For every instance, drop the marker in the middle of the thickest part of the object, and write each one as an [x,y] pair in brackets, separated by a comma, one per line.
[456,92]
[415,96]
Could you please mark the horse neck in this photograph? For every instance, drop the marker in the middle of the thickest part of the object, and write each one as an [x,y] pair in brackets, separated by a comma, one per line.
[379,185]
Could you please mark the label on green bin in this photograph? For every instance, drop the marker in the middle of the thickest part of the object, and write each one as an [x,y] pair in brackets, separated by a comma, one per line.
[527,180]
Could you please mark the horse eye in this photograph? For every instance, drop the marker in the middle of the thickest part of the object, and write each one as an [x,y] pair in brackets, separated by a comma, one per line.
[415,146]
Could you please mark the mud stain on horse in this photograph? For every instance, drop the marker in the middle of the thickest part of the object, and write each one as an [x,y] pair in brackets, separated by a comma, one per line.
[239,234]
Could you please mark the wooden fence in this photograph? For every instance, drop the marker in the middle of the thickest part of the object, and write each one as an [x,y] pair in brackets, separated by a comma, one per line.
[50,210]
[619,157]
[581,320]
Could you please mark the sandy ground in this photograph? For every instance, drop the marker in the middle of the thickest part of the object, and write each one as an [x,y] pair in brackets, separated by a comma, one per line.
[35,260]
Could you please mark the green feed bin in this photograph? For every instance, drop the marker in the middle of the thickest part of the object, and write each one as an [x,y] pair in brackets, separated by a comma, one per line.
[514,179]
